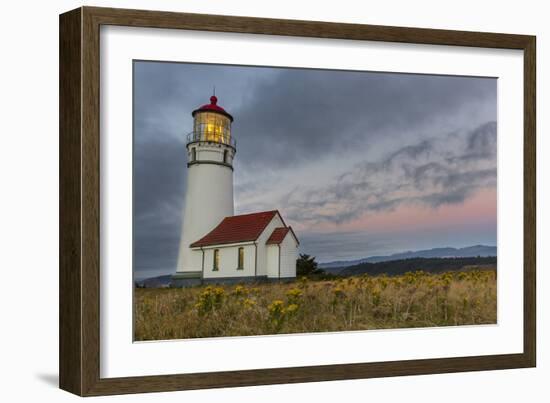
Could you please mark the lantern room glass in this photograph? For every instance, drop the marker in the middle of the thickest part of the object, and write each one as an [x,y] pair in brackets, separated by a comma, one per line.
[212,127]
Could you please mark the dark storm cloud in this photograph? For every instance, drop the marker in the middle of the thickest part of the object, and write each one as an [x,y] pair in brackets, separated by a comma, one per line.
[158,185]
[158,179]
[155,245]
[307,112]
[443,170]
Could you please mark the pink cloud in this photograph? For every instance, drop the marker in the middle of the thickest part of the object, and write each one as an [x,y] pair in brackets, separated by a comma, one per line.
[479,208]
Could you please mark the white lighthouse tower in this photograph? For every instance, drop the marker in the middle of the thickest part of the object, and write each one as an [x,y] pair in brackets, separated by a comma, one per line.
[209,192]
[216,245]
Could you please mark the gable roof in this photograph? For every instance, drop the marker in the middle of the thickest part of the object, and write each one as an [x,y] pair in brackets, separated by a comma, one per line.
[279,234]
[238,228]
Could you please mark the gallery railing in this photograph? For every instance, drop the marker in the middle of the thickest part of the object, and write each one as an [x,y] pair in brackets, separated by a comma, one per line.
[194,137]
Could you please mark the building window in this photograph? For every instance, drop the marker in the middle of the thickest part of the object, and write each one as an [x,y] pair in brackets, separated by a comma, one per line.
[225,156]
[240,260]
[216,263]
[193,154]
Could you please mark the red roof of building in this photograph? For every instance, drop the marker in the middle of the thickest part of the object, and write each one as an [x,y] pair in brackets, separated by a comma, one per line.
[213,107]
[238,228]
[278,235]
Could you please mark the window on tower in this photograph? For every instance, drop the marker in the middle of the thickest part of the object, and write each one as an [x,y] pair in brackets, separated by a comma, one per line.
[193,154]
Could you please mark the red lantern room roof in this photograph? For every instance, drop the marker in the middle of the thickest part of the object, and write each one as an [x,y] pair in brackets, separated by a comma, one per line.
[212,107]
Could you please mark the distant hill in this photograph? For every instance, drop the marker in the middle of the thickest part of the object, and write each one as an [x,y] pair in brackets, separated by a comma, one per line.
[156,282]
[470,251]
[429,265]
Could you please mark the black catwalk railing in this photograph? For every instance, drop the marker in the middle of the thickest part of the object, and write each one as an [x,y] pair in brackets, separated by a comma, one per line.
[194,137]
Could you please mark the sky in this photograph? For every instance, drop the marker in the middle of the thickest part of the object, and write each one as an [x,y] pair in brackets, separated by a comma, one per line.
[359,163]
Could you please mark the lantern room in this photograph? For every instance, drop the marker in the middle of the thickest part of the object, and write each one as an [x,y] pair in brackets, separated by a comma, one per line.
[212,123]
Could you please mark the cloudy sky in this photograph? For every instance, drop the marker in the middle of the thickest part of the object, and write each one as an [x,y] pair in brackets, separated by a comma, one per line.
[359,163]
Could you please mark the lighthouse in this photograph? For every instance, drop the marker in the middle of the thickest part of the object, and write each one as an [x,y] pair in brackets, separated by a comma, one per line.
[216,245]
[209,193]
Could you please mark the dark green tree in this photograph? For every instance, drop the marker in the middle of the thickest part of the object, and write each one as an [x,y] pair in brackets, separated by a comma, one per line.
[306,265]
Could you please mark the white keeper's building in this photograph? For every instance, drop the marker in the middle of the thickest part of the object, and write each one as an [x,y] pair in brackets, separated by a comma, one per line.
[216,245]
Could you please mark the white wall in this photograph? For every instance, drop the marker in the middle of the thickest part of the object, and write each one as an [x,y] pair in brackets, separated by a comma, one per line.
[228,262]
[289,254]
[211,152]
[29,206]
[262,247]
[208,200]
[273,261]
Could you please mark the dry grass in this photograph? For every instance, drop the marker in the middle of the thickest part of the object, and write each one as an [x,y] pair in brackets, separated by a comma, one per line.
[354,303]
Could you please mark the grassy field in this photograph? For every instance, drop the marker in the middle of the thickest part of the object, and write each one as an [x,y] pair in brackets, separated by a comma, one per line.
[354,303]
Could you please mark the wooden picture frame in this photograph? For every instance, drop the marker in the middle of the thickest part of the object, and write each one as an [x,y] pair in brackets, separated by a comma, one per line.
[80,186]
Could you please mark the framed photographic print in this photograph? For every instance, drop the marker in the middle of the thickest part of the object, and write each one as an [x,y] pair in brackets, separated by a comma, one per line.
[249,201]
